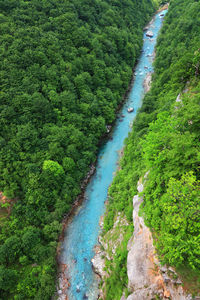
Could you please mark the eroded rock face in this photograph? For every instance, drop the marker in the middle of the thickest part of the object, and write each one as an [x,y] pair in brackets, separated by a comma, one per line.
[141,259]
[147,82]
[147,278]
[107,247]
[98,262]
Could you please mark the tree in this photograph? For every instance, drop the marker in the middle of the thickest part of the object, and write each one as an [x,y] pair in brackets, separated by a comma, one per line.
[10,250]
[30,239]
[53,173]
[180,227]
[8,278]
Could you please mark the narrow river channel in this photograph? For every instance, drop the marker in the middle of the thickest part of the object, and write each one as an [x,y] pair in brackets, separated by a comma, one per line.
[82,233]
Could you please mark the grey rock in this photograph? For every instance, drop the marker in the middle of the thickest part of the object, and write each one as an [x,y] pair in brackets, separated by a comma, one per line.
[130,109]
[59,292]
[166,278]
[179,282]
[99,264]
[171,270]
[163,269]
[149,33]
[147,82]
[143,294]
[123,297]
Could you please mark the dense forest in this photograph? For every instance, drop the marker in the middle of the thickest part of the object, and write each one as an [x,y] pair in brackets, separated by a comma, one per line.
[65,66]
[165,142]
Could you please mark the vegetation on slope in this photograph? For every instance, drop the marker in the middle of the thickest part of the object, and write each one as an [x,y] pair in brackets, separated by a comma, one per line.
[65,66]
[165,141]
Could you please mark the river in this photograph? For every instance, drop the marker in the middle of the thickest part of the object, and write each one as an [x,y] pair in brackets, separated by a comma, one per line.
[82,232]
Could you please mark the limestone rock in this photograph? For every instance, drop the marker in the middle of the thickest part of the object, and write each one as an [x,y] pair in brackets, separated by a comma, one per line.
[141,260]
[149,33]
[98,263]
[59,292]
[147,82]
[130,243]
[123,297]
[144,294]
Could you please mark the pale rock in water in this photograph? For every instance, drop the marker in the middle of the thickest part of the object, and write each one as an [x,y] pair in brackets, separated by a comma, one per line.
[149,33]
[147,82]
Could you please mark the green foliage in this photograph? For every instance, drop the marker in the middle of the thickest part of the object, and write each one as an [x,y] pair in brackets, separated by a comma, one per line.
[171,147]
[191,280]
[10,250]
[180,223]
[53,173]
[7,278]
[65,66]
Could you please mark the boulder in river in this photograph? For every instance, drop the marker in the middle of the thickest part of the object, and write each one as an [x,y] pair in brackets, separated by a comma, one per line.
[149,33]
[147,82]
[130,109]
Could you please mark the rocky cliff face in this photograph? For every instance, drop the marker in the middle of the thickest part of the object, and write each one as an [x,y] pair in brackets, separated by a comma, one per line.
[107,247]
[147,278]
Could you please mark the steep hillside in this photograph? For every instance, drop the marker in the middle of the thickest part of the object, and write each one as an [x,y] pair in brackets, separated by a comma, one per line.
[65,66]
[165,142]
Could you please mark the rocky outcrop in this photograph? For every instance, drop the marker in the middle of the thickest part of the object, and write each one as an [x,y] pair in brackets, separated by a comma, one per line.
[108,244]
[63,283]
[147,82]
[98,261]
[147,278]
[164,7]
[149,33]
[130,109]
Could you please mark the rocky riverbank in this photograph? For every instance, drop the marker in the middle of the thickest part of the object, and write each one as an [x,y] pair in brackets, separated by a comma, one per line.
[147,82]
[107,247]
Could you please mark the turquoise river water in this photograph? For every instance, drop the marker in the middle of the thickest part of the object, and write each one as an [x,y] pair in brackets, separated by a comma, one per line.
[82,233]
